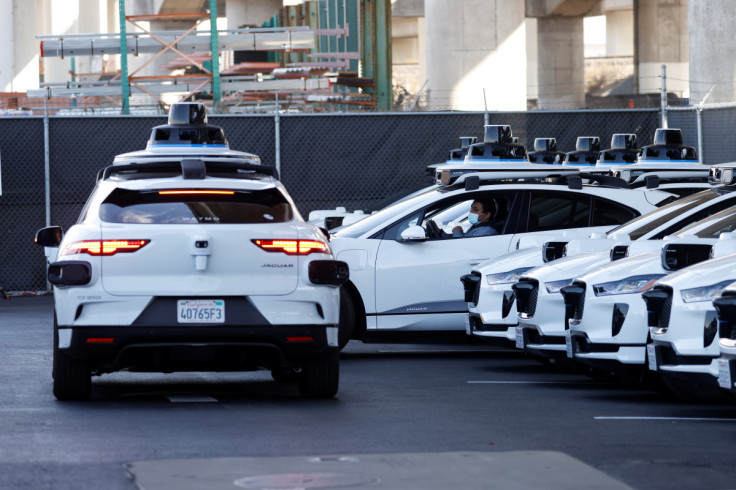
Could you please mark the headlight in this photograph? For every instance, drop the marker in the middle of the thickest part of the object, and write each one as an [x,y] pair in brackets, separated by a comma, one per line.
[633,284]
[509,277]
[704,293]
[555,286]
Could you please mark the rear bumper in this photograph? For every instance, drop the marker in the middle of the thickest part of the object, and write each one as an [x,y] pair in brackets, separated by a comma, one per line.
[195,348]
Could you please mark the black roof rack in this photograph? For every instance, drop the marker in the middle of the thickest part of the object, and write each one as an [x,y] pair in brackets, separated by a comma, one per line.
[189,168]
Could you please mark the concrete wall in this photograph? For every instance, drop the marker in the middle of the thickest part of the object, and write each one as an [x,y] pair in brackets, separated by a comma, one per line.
[472,46]
[250,12]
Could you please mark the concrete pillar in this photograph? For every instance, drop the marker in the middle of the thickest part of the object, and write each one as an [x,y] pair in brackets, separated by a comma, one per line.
[561,60]
[620,32]
[250,12]
[662,38]
[713,63]
[474,45]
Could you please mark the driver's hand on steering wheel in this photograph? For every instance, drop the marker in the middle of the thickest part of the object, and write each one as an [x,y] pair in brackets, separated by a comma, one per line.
[433,231]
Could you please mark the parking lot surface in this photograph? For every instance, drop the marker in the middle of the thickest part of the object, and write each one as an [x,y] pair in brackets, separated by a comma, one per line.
[406,416]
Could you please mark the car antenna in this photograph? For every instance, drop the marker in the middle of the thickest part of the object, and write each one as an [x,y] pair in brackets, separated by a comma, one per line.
[485,107]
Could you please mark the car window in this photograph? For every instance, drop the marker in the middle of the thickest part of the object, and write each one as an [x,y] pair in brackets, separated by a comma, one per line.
[645,223]
[608,213]
[712,227]
[695,217]
[556,210]
[178,206]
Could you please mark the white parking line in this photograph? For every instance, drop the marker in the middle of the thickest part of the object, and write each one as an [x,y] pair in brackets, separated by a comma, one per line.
[533,382]
[699,419]
[191,399]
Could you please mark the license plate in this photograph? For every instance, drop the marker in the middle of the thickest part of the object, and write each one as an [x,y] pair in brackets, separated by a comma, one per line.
[519,337]
[724,374]
[200,311]
[468,330]
[569,347]
[652,356]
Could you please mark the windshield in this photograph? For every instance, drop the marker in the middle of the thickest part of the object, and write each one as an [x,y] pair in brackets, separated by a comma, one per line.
[645,223]
[712,227]
[384,216]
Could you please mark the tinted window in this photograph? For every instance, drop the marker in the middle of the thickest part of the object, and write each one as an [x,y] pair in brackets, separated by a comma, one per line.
[654,219]
[712,227]
[195,207]
[695,217]
[554,211]
[607,213]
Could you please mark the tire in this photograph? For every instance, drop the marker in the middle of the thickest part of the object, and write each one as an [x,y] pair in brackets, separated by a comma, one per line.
[320,377]
[72,378]
[346,325]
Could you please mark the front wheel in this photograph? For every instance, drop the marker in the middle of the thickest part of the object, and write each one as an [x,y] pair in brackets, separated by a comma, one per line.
[320,377]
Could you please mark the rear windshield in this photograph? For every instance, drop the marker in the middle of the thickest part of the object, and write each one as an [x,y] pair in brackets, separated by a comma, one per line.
[192,206]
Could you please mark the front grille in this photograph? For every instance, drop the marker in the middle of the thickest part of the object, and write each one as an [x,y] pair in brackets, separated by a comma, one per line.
[527,292]
[659,307]
[577,313]
[476,293]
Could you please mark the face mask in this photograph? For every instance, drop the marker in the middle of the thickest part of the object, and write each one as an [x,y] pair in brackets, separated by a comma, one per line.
[472,218]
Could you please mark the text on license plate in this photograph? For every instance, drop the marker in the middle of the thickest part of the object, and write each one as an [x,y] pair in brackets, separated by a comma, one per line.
[200,311]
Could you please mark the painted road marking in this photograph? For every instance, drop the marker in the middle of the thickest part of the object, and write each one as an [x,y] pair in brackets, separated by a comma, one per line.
[585,382]
[191,399]
[699,419]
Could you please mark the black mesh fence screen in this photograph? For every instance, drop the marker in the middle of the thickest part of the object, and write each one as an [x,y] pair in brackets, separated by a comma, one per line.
[359,161]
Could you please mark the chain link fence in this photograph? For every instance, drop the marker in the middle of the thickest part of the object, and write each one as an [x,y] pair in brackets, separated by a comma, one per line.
[359,161]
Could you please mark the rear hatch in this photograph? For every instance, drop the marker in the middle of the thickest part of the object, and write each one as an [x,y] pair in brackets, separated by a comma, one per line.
[198,243]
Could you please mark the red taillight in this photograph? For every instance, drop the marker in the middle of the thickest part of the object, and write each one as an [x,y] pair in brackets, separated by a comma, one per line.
[100,340]
[104,247]
[300,339]
[194,191]
[293,247]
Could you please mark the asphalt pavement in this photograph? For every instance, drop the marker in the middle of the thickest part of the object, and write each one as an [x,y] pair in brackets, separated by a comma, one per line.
[429,416]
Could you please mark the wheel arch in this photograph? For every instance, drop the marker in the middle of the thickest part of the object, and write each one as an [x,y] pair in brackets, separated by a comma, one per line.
[359,331]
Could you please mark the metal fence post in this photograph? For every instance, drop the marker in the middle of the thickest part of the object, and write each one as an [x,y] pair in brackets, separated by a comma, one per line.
[277,136]
[46,161]
[699,119]
[663,97]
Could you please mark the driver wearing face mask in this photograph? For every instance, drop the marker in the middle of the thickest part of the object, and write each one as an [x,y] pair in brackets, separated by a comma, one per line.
[479,217]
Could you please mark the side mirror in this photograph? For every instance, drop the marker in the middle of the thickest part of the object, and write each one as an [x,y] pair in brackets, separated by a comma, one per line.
[49,237]
[414,234]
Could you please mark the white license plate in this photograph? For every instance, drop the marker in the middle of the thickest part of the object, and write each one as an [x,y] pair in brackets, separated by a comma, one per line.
[519,337]
[652,356]
[724,374]
[568,346]
[467,325]
[200,311]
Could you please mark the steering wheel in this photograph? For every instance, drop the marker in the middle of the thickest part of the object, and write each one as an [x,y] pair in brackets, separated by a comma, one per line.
[433,231]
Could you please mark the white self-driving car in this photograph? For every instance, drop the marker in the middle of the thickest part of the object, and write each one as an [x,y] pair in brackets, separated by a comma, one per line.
[492,301]
[605,317]
[684,346]
[191,256]
[404,276]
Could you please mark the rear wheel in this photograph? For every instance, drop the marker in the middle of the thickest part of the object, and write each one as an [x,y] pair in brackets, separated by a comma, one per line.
[72,378]
[320,377]
[346,324]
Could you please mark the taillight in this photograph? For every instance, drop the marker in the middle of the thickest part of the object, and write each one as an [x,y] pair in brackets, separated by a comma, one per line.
[293,247]
[104,247]
[181,192]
